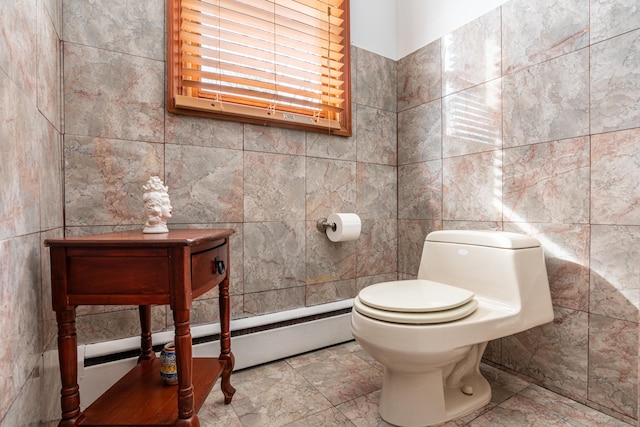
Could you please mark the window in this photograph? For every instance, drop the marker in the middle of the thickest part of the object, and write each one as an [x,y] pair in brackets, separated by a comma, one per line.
[274,62]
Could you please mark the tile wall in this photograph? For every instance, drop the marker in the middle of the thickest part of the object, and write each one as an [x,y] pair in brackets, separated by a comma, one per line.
[528,119]
[31,207]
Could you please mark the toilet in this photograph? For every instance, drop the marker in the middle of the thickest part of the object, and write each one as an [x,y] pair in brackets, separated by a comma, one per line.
[430,333]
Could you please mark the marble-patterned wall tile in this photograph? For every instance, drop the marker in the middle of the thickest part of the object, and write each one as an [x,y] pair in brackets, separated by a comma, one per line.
[566,251]
[547,182]
[119,25]
[420,190]
[554,353]
[19,145]
[376,191]
[472,187]
[364,281]
[104,179]
[472,54]
[50,386]
[610,18]
[353,71]
[377,247]
[332,147]
[205,310]
[51,176]
[615,290]
[49,83]
[236,257]
[613,367]
[191,130]
[405,276]
[18,40]
[83,230]
[87,310]
[205,184]
[274,255]
[21,315]
[54,9]
[472,120]
[411,236]
[237,307]
[274,187]
[113,95]
[264,302]
[328,261]
[325,292]
[112,325]
[374,77]
[533,32]
[274,140]
[28,403]
[420,133]
[615,162]
[376,135]
[331,187]
[49,325]
[472,225]
[547,101]
[420,76]
[615,83]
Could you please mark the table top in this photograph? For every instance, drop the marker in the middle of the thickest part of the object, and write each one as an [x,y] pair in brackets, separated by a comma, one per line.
[180,237]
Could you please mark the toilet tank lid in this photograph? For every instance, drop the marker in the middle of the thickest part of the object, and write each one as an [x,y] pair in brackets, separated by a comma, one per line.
[494,239]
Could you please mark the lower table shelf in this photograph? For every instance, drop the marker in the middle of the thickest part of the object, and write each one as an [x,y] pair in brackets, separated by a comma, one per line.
[141,399]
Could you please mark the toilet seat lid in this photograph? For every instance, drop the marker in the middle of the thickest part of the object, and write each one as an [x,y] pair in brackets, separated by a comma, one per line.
[414,296]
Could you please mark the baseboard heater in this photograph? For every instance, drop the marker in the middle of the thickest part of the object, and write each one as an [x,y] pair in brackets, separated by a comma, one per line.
[254,341]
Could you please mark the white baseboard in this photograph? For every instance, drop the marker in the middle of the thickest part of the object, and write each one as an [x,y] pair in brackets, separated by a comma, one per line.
[249,349]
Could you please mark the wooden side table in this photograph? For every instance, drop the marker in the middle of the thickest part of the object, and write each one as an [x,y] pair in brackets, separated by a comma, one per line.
[132,268]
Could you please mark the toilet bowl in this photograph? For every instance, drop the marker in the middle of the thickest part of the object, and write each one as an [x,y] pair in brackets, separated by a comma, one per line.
[430,333]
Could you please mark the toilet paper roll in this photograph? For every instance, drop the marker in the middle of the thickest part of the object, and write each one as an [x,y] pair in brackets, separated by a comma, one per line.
[347,227]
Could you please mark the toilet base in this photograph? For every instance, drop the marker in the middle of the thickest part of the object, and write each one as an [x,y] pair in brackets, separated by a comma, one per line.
[411,399]
[417,398]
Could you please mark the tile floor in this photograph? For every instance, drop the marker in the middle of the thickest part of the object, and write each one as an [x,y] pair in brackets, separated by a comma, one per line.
[340,386]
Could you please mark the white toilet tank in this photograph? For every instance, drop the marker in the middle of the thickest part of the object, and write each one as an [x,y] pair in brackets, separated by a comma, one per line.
[500,268]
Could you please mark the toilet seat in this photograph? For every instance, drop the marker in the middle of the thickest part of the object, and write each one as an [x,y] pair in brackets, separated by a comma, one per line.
[415,302]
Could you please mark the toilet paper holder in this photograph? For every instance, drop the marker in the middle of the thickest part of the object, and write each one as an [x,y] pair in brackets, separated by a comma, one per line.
[340,227]
[322,224]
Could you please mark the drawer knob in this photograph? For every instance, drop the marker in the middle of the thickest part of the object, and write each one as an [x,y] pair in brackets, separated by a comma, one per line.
[218,266]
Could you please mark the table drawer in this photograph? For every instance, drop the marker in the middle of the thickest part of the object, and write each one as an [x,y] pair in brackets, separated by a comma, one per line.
[209,268]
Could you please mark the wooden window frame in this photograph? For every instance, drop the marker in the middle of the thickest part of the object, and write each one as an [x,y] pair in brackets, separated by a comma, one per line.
[190,105]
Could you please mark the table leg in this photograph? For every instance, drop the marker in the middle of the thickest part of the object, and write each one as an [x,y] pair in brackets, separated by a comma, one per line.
[146,346]
[68,357]
[225,342]
[184,365]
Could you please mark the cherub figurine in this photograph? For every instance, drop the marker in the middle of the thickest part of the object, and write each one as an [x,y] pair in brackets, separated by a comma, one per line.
[157,206]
